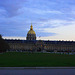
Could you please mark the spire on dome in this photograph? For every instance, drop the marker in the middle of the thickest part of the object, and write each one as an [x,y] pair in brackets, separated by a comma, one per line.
[31,27]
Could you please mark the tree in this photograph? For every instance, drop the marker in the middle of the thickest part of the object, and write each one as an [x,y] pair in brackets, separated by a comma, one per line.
[3,45]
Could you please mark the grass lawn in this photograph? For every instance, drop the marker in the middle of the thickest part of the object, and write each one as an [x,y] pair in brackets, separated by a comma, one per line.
[22,59]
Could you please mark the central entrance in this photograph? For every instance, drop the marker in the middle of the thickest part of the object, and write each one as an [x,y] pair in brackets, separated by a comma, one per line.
[39,46]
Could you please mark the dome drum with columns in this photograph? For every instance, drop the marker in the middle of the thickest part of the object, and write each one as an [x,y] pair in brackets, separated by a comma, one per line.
[31,34]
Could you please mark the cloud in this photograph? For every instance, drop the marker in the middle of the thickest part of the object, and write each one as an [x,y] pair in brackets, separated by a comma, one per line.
[11,7]
[2,13]
[53,27]
[41,11]
[57,23]
[43,34]
[46,11]
[63,32]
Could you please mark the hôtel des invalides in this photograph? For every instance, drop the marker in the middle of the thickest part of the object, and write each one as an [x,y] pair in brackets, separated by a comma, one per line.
[33,45]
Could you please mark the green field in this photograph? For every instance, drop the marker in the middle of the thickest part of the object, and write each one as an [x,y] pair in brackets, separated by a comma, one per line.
[22,59]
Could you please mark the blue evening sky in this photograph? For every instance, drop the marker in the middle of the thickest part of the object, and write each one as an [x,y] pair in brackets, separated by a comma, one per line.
[51,19]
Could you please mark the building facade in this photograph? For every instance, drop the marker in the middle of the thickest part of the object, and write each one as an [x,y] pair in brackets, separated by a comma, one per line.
[33,45]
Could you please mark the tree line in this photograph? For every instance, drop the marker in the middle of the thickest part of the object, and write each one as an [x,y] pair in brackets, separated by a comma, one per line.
[3,45]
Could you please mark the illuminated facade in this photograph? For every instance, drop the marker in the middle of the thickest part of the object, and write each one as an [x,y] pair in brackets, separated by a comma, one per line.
[31,44]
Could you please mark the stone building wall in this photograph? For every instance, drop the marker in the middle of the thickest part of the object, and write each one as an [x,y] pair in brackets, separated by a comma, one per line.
[42,45]
[60,47]
[21,46]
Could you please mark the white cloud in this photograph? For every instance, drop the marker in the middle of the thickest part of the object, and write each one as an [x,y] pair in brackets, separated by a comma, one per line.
[49,24]
[63,33]
[63,28]
[21,38]
[41,11]
[46,11]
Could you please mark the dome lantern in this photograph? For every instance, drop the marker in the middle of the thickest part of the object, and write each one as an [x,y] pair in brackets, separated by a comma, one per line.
[31,27]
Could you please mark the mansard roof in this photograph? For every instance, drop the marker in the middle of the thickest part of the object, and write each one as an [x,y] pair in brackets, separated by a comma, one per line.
[34,41]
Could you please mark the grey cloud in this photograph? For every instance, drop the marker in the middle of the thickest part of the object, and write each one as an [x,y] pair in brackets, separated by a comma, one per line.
[11,7]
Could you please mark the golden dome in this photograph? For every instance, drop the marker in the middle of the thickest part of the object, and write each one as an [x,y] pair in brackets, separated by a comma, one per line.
[31,31]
